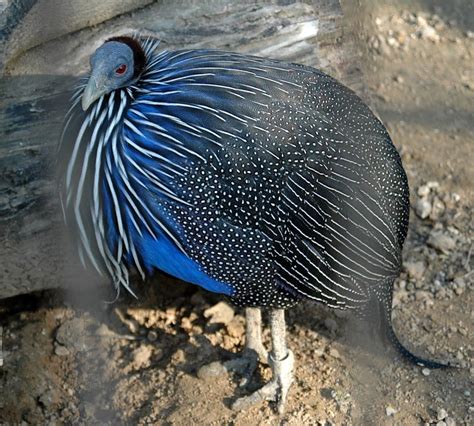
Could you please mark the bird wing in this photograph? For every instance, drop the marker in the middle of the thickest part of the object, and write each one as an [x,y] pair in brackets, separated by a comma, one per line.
[338,233]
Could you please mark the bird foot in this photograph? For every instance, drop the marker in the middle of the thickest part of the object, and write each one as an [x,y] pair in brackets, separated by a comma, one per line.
[276,390]
[246,363]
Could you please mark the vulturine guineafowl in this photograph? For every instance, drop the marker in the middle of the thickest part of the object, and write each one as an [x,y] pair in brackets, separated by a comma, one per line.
[264,181]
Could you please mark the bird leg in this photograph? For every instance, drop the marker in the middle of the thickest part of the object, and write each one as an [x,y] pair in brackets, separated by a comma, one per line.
[254,351]
[281,360]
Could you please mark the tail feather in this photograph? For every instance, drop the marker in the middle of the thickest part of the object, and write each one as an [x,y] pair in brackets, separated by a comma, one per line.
[380,310]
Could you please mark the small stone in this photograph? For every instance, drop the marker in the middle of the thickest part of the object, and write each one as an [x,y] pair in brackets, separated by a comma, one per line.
[73,334]
[470,34]
[212,370]
[429,33]
[392,42]
[152,336]
[425,371]
[61,350]
[221,313]
[399,79]
[450,421]
[141,357]
[318,353]
[437,209]
[390,411]
[441,414]
[441,242]
[432,184]
[441,423]
[415,270]
[423,191]
[422,208]
[236,328]
[334,353]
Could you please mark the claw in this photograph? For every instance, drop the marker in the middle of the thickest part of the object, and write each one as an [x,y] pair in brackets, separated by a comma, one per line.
[276,390]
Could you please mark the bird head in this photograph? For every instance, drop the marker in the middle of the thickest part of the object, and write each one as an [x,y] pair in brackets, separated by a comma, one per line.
[116,64]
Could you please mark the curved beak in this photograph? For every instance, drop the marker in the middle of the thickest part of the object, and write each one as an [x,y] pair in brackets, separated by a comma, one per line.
[94,90]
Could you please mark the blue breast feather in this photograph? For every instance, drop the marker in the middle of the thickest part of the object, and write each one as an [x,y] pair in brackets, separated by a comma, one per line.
[155,148]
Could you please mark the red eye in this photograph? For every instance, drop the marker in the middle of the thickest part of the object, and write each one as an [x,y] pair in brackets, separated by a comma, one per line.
[121,69]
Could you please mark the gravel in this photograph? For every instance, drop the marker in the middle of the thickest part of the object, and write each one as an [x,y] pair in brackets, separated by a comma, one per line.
[441,241]
[221,313]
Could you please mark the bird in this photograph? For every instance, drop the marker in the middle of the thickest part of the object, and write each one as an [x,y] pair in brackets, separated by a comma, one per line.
[267,182]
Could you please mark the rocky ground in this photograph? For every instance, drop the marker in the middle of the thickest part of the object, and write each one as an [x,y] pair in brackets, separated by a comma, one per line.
[69,357]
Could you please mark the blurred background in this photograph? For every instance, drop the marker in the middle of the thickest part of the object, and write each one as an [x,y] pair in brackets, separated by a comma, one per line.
[67,356]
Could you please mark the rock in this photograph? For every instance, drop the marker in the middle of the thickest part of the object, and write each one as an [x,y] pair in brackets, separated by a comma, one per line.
[73,334]
[152,336]
[212,370]
[334,353]
[441,241]
[422,208]
[432,184]
[221,313]
[425,371]
[236,327]
[426,31]
[437,209]
[450,421]
[423,191]
[390,411]
[61,350]
[415,270]
[399,297]
[141,357]
[441,414]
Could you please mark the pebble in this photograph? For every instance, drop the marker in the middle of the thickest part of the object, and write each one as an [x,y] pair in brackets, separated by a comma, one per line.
[390,411]
[221,313]
[141,357]
[441,414]
[441,242]
[415,270]
[72,334]
[152,336]
[61,350]
[334,353]
[423,191]
[236,327]
[450,421]
[212,370]
[425,371]
[426,31]
[422,208]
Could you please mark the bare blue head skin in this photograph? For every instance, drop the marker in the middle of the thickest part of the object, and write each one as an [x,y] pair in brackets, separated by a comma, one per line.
[112,67]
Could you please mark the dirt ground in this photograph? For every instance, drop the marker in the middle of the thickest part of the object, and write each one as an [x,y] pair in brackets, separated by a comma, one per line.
[71,358]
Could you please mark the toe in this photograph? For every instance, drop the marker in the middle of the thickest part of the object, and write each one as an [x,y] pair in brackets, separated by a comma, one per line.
[269,392]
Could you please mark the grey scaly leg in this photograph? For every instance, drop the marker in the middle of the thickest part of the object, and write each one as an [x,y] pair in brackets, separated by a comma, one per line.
[247,361]
[281,360]
[253,333]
